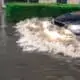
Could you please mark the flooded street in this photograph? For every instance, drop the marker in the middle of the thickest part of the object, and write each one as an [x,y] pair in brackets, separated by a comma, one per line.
[18,65]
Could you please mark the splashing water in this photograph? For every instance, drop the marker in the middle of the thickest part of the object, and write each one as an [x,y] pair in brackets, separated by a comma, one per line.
[38,35]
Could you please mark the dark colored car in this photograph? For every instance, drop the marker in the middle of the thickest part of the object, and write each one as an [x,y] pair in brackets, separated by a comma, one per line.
[70,21]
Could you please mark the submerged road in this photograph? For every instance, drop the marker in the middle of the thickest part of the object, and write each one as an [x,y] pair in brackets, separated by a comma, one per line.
[18,65]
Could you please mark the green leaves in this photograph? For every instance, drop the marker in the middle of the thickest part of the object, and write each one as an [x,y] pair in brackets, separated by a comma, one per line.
[20,11]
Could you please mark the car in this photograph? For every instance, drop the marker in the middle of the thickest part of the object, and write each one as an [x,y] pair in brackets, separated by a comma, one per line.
[70,21]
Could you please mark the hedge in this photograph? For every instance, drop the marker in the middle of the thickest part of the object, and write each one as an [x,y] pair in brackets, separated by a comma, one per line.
[19,11]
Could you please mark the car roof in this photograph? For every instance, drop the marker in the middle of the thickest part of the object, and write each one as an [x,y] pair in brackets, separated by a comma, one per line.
[69,18]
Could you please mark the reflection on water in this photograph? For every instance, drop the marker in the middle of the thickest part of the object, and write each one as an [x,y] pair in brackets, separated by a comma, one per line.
[16,65]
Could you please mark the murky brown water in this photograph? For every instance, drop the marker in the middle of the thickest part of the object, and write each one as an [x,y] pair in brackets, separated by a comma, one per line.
[17,65]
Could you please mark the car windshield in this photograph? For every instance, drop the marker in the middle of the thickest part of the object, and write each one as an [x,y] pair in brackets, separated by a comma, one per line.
[70,18]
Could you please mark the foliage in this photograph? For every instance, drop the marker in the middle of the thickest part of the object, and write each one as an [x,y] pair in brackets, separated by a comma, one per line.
[19,11]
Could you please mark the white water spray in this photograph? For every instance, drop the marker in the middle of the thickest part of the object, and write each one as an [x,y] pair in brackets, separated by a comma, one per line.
[33,37]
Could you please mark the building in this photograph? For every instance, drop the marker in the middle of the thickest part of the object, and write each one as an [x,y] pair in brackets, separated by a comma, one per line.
[42,1]
[1,3]
[73,1]
[60,1]
[47,1]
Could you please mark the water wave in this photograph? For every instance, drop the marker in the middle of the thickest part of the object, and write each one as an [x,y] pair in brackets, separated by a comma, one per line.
[32,38]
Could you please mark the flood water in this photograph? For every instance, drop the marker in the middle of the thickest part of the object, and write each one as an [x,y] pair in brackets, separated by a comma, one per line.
[18,65]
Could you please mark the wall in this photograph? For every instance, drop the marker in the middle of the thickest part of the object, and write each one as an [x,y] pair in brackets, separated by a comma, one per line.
[47,1]
[44,1]
[54,1]
[73,1]
[1,3]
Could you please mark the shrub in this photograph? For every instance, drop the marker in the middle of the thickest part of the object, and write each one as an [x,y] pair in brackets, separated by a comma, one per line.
[19,11]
